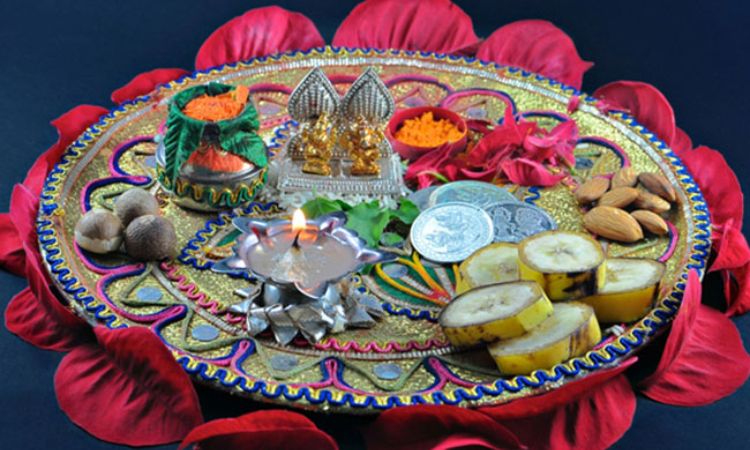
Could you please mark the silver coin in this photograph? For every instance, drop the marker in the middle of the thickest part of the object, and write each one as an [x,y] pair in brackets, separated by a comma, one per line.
[515,221]
[387,371]
[450,232]
[421,198]
[477,193]
[205,333]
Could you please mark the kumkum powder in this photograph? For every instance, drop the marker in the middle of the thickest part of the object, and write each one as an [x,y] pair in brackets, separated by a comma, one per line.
[217,160]
[426,131]
[213,108]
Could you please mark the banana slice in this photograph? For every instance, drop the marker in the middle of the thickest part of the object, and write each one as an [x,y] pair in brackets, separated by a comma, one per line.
[571,331]
[568,265]
[629,290]
[496,311]
[496,263]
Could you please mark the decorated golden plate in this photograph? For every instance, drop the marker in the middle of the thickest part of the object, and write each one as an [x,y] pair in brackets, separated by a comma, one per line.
[405,359]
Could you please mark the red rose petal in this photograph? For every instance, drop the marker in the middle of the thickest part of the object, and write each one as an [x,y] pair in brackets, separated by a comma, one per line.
[703,360]
[429,25]
[681,142]
[718,184]
[733,251]
[146,82]
[69,126]
[432,162]
[268,429]
[537,46]
[427,427]
[37,316]
[555,146]
[723,193]
[595,420]
[23,211]
[646,103]
[127,389]
[525,172]
[733,262]
[502,141]
[12,257]
[18,227]
[258,32]
[462,441]
[737,290]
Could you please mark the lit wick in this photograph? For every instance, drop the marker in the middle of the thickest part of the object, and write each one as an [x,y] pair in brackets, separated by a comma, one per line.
[298,226]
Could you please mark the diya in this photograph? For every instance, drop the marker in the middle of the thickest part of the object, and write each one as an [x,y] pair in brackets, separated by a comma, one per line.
[210,156]
[302,266]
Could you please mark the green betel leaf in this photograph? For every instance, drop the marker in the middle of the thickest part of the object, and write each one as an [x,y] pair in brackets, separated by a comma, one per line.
[368,220]
[407,211]
[321,206]
[391,239]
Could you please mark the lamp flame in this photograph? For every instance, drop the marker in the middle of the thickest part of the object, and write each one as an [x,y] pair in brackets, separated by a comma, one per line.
[298,221]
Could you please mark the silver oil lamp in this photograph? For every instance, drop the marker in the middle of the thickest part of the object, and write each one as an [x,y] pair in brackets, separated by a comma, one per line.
[304,268]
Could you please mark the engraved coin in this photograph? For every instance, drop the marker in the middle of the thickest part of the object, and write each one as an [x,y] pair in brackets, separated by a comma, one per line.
[421,198]
[450,232]
[475,192]
[515,221]
[205,333]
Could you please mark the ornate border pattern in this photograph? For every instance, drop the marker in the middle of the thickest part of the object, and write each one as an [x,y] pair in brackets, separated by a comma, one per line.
[336,400]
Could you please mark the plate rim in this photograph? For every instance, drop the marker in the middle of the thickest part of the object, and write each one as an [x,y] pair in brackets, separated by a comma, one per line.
[659,317]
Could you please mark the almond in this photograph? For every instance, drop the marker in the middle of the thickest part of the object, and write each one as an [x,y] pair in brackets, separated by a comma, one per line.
[651,222]
[659,185]
[647,200]
[625,177]
[619,197]
[613,223]
[591,190]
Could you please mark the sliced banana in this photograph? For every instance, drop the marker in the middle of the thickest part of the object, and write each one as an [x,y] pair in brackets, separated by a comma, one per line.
[496,263]
[571,331]
[496,311]
[568,265]
[629,290]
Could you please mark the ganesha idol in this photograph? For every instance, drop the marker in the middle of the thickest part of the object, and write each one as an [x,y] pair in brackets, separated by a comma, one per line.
[339,148]
[210,156]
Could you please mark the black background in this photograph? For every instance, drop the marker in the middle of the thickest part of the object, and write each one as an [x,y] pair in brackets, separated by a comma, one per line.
[56,55]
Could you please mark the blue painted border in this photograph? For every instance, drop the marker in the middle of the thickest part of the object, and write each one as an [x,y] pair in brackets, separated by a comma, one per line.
[621,347]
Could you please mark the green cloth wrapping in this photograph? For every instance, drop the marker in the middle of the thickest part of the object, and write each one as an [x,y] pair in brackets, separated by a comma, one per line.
[184,134]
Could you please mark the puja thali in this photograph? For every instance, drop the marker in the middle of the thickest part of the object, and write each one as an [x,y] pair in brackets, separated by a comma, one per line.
[405,358]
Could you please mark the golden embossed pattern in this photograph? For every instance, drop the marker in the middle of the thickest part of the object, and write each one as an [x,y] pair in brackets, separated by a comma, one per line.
[350,363]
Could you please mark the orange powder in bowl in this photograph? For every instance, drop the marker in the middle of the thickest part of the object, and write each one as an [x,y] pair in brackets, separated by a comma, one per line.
[217,160]
[218,107]
[426,131]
